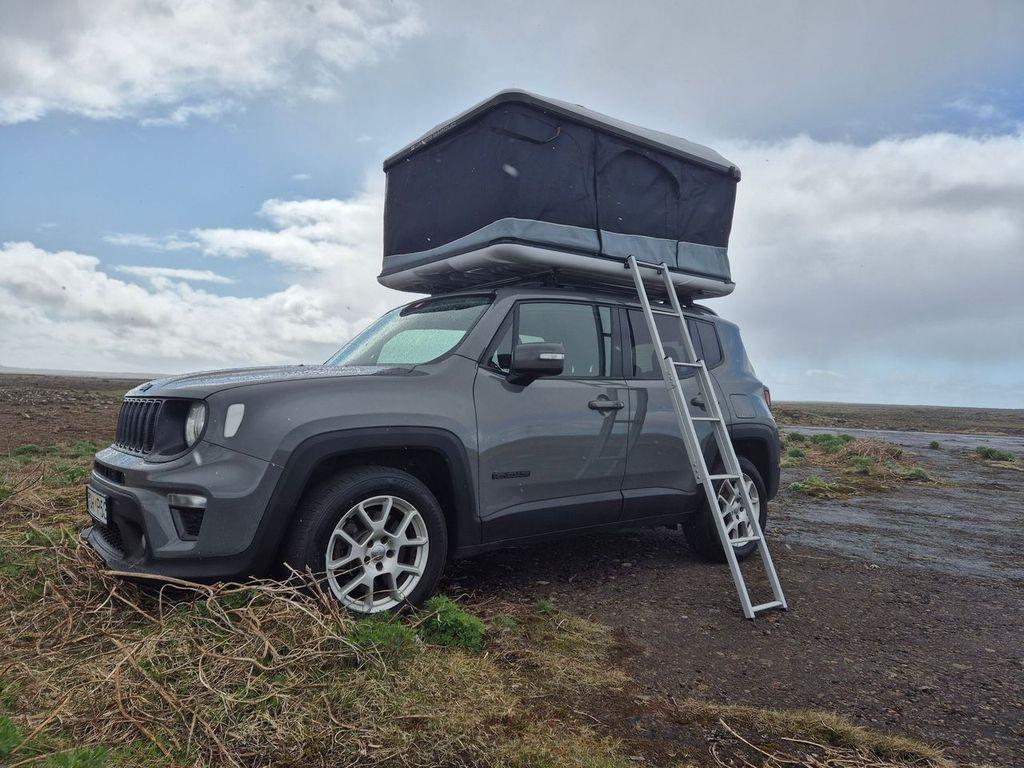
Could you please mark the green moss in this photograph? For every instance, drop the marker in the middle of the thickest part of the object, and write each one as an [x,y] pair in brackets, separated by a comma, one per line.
[384,635]
[502,621]
[994,454]
[84,449]
[813,486]
[9,736]
[934,445]
[796,437]
[93,757]
[30,449]
[8,695]
[449,625]
[544,606]
[831,443]
[862,465]
[914,473]
[63,473]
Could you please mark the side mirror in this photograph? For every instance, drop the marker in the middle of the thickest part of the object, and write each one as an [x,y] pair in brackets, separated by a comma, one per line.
[531,361]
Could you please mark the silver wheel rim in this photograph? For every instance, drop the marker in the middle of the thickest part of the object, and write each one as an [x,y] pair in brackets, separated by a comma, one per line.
[376,554]
[737,524]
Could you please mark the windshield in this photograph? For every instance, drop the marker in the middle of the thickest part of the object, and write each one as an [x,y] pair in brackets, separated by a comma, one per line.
[415,334]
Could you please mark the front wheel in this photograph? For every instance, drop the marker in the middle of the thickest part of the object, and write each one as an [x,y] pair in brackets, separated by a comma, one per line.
[700,529]
[377,536]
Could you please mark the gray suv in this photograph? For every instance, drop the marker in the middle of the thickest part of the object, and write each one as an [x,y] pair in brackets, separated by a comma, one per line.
[451,426]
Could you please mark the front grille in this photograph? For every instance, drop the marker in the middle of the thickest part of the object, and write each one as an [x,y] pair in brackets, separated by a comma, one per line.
[136,424]
[113,475]
[112,535]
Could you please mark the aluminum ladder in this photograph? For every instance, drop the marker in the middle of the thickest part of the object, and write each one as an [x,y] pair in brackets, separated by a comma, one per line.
[732,473]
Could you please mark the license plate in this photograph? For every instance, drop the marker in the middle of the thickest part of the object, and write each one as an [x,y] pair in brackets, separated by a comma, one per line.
[98,505]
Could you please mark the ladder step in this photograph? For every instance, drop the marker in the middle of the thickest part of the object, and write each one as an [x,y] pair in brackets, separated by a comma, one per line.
[744,540]
[723,477]
[685,365]
[768,606]
[667,312]
[704,418]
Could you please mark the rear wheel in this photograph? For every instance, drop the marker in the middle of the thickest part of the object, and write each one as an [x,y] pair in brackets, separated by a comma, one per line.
[376,535]
[700,530]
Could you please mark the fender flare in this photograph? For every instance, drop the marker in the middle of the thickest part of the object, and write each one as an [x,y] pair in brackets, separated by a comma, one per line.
[768,436]
[300,463]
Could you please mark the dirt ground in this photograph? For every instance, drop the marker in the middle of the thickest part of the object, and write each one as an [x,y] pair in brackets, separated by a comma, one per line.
[53,409]
[907,418]
[907,608]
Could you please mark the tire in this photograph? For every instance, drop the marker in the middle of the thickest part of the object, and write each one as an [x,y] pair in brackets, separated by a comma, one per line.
[700,529]
[355,519]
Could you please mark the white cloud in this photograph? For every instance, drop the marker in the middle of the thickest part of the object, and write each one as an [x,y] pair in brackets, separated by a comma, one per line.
[118,58]
[174,273]
[208,110]
[61,310]
[873,261]
[301,177]
[308,234]
[149,242]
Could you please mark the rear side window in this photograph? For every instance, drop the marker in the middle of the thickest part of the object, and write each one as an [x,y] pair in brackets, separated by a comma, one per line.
[708,342]
[645,358]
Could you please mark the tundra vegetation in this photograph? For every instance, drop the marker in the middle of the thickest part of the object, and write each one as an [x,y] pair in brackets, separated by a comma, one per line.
[99,671]
[852,465]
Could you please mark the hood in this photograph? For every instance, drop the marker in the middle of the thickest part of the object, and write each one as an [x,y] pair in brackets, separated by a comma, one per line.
[207,382]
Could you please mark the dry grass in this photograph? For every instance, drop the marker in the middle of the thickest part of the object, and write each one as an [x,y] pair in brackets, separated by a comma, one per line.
[784,736]
[854,465]
[99,671]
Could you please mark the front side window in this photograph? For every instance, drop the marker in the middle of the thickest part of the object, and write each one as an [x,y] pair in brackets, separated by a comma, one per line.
[415,334]
[583,329]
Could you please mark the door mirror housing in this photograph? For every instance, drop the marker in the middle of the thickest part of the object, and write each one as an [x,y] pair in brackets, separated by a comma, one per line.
[531,361]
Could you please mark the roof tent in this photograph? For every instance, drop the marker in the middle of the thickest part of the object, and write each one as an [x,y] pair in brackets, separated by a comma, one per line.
[522,184]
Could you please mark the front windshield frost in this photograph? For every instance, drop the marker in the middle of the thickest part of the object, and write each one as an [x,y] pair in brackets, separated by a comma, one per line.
[415,334]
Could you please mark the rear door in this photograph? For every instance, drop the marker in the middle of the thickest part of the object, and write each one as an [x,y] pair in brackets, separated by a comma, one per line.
[658,478]
[552,453]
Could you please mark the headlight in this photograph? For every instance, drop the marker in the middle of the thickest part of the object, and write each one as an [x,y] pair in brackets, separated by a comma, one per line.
[194,423]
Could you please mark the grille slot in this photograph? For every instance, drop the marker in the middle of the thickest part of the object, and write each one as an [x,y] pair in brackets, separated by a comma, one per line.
[112,535]
[136,424]
[113,475]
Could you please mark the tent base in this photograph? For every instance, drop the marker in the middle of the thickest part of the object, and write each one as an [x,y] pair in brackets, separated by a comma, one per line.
[508,262]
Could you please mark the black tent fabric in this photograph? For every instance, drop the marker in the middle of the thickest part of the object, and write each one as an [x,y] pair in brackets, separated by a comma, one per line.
[567,185]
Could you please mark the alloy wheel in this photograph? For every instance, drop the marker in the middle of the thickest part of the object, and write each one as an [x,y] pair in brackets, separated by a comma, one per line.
[737,524]
[376,554]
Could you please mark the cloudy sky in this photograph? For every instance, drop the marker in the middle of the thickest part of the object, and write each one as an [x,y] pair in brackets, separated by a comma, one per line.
[188,184]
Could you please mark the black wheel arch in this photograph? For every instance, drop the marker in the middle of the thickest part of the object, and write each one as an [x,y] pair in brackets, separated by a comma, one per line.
[435,456]
[760,444]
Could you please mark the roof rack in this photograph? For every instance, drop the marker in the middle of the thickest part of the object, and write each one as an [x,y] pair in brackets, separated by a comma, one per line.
[555,278]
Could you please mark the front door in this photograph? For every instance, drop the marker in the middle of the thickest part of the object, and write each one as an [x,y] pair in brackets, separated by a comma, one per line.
[553,452]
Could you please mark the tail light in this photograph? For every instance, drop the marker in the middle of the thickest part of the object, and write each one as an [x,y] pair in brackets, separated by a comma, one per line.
[767,397]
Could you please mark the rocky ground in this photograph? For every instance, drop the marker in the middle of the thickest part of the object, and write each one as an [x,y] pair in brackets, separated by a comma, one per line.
[907,607]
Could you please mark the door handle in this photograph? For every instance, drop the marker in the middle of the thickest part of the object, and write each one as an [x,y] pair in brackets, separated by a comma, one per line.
[697,400]
[604,404]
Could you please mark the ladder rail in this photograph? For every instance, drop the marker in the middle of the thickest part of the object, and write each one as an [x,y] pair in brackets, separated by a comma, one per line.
[733,472]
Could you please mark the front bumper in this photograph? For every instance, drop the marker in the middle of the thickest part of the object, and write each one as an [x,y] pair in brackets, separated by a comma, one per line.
[144,534]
